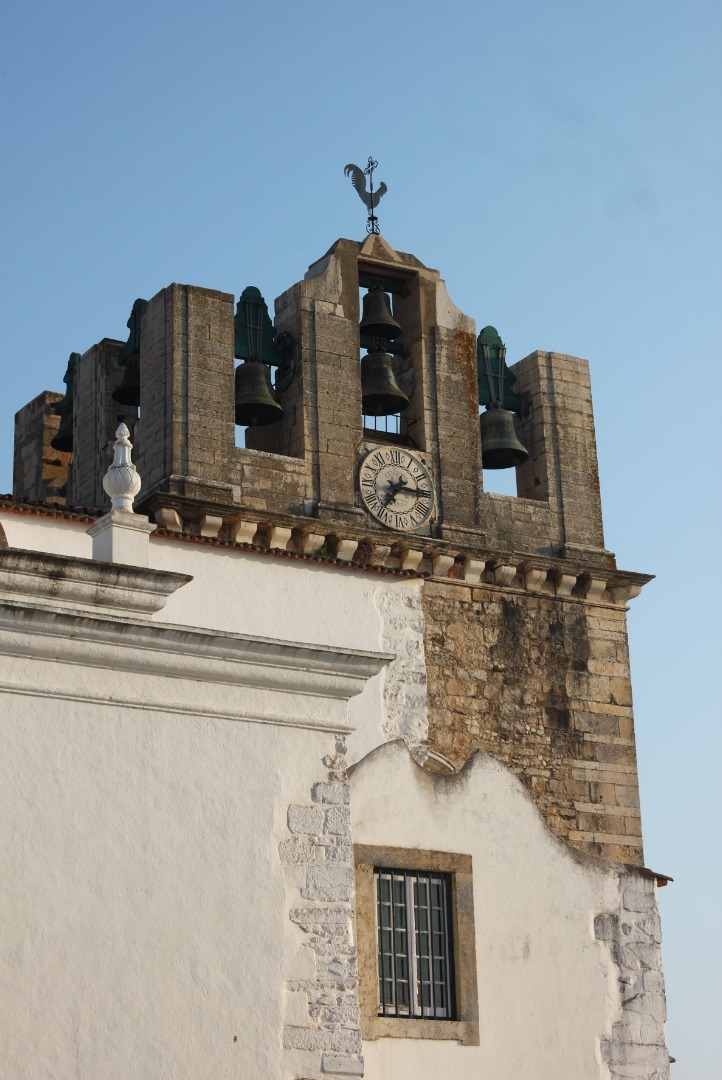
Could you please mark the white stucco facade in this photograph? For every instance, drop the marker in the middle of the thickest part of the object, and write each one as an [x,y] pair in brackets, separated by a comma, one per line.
[176,832]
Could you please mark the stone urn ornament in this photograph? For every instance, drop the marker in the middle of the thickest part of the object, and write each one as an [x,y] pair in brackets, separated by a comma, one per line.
[122,482]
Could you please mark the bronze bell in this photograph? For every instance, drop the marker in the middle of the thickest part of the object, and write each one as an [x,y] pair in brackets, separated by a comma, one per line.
[128,393]
[380,393]
[63,439]
[377,320]
[500,448]
[255,403]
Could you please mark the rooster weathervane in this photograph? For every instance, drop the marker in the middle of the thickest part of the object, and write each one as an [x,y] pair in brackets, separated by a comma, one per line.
[370,198]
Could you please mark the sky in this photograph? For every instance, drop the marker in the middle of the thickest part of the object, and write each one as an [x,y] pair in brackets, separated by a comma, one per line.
[558,162]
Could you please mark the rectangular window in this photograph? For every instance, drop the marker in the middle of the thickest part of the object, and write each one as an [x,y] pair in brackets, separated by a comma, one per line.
[416,944]
[415,951]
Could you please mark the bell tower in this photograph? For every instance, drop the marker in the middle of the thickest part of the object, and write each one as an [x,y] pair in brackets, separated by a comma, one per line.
[368,450]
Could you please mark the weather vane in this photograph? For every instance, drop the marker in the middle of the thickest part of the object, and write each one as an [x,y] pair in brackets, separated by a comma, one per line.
[370,198]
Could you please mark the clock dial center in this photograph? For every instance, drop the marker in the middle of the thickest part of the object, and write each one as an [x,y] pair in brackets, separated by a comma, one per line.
[396,488]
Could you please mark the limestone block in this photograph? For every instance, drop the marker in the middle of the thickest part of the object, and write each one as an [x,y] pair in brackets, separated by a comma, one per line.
[210,525]
[335,792]
[312,542]
[306,819]
[346,550]
[328,883]
[338,820]
[168,519]
[473,570]
[342,1066]
[441,564]
[244,531]
[534,579]
[297,849]
[595,588]
[410,558]
[504,574]
[565,583]
[278,537]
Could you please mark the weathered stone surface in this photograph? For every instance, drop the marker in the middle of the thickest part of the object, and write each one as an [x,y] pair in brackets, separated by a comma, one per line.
[514,674]
[305,819]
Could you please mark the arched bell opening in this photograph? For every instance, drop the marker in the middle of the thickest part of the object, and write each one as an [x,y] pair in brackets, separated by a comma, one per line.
[262,378]
[501,448]
[386,372]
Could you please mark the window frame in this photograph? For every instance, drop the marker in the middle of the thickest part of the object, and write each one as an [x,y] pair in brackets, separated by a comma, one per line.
[465,1027]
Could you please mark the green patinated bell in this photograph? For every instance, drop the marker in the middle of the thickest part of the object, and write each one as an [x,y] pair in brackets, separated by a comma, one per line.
[377,320]
[63,439]
[128,393]
[500,447]
[255,403]
[380,393]
[496,380]
[255,337]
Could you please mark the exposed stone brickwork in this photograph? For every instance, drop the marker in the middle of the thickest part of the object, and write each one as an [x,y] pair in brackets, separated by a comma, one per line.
[39,472]
[405,704]
[265,480]
[636,1049]
[543,685]
[95,419]
[323,1020]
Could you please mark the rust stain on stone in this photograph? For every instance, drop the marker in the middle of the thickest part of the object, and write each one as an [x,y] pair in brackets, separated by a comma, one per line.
[465,349]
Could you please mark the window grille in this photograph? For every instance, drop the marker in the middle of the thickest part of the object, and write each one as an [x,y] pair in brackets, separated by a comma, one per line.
[415,954]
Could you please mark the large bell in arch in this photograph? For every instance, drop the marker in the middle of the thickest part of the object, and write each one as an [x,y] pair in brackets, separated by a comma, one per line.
[63,439]
[128,393]
[255,403]
[377,320]
[380,393]
[500,447]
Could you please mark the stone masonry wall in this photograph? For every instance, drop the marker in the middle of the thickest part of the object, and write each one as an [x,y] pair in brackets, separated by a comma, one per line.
[39,472]
[322,1032]
[266,481]
[636,1049]
[543,684]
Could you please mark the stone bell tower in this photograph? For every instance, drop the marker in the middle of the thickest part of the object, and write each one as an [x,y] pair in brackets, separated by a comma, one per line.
[523,585]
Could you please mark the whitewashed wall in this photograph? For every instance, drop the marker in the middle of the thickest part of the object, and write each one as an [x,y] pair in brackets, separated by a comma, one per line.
[241,592]
[549,976]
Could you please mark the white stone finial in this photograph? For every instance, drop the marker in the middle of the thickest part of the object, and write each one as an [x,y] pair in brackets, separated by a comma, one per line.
[122,482]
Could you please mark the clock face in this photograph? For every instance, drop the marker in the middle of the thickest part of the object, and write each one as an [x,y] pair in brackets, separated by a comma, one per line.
[396,488]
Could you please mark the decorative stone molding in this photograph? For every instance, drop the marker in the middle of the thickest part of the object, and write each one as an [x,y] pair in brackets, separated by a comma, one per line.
[122,536]
[122,482]
[346,550]
[210,525]
[167,518]
[348,544]
[503,574]
[194,672]
[62,580]
[243,531]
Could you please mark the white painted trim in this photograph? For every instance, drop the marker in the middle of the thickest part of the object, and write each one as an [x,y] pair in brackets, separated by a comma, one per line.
[163,668]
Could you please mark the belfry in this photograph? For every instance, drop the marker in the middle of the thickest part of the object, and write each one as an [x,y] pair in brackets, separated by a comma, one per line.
[334,747]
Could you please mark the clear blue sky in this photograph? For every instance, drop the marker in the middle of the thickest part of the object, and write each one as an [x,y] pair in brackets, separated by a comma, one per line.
[559,162]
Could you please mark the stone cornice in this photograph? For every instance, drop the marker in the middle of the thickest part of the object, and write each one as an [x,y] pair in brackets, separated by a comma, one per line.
[569,575]
[86,583]
[164,668]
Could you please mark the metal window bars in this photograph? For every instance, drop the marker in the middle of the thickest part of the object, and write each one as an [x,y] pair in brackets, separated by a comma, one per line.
[415,955]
